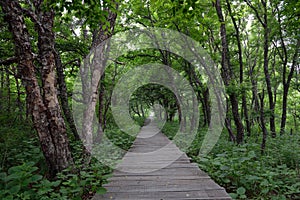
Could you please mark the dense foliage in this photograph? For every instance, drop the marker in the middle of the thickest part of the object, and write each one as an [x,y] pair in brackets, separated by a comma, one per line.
[244,172]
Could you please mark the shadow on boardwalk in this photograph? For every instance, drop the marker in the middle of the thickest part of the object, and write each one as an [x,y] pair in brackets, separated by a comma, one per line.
[154,168]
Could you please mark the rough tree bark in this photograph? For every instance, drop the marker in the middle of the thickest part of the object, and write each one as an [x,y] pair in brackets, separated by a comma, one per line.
[42,101]
[91,85]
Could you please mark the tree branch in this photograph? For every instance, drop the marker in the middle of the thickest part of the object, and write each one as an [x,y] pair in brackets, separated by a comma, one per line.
[256,12]
[9,61]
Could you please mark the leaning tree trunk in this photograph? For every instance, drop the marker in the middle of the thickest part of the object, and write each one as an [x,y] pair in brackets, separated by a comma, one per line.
[45,109]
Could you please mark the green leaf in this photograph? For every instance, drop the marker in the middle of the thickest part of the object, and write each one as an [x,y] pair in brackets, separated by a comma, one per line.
[224,168]
[3,176]
[241,190]
[15,189]
[14,176]
[56,183]
[36,178]
[233,195]
[252,154]
[265,190]
[13,169]
[101,190]
[226,180]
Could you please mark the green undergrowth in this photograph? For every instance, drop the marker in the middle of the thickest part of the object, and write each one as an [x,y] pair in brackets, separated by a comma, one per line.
[244,172]
[23,172]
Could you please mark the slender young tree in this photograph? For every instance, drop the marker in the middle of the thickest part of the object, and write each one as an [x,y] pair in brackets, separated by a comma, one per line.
[264,21]
[63,95]
[241,65]
[262,122]
[227,75]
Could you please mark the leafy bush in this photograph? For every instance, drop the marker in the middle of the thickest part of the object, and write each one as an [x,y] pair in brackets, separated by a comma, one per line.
[248,175]
[244,172]
[24,182]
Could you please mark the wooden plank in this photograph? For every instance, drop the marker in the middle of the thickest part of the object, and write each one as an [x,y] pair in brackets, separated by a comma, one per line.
[207,195]
[147,172]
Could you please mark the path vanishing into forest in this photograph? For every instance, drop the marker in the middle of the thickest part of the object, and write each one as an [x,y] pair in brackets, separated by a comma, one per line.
[148,171]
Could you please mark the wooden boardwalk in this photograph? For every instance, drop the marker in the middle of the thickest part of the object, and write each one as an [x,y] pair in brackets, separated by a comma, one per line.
[155,168]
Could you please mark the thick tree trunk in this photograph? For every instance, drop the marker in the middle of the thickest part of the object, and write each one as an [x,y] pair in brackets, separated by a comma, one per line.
[91,76]
[43,107]
[227,75]
[56,122]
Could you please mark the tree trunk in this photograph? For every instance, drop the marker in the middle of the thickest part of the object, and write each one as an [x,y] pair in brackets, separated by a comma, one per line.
[1,87]
[267,77]
[44,109]
[240,53]
[8,91]
[101,100]
[227,75]
[63,95]
[286,86]
[202,94]
[142,110]
[262,122]
[264,23]
[91,75]
[19,102]
[229,129]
